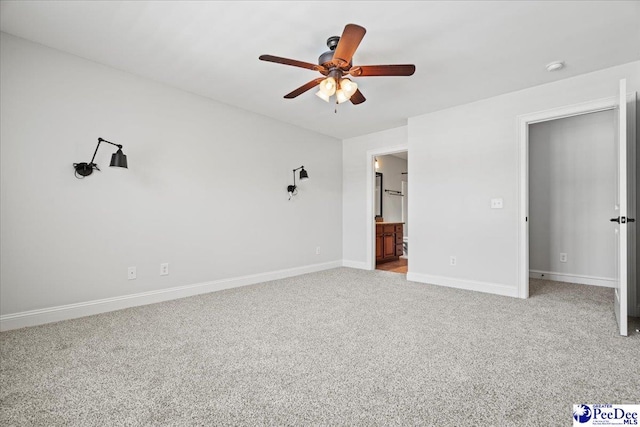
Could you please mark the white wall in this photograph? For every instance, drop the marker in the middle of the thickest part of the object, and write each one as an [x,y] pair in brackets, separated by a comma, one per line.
[392,168]
[355,218]
[461,158]
[205,190]
[572,196]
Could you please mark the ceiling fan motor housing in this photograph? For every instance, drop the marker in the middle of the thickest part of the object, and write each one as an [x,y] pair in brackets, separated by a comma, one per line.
[332,42]
[327,57]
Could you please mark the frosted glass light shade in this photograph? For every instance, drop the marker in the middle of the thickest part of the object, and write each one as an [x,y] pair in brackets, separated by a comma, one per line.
[320,94]
[348,87]
[328,86]
[341,96]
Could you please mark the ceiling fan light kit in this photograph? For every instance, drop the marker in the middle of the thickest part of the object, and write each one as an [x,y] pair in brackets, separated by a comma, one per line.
[344,90]
[336,63]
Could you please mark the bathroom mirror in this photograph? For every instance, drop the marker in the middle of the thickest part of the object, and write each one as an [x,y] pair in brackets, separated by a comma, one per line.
[378,195]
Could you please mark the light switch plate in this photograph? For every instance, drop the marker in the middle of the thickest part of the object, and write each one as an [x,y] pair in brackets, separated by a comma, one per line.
[496,203]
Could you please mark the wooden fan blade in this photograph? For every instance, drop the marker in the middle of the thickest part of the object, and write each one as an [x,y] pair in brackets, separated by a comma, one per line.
[349,41]
[357,98]
[302,89]
[383,70]
[293,62]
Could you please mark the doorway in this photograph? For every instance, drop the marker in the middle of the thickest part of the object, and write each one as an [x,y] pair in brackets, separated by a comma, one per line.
[391,214]
[623,232]
[572,195]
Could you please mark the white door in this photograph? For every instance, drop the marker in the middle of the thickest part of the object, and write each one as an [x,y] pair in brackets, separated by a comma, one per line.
[622,224]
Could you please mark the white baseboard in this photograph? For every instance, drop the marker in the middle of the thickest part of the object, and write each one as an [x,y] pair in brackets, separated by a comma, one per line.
[470,285]
[572,278]
[356,264]
[88,308]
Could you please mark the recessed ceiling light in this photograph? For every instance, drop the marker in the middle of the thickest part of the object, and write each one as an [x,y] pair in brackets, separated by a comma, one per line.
[555,66]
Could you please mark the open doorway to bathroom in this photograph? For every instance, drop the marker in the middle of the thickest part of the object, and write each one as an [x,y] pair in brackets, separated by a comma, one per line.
[391,212]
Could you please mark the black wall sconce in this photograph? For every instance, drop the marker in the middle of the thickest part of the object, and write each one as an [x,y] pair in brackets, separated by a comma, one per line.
[292,189]
[118,159]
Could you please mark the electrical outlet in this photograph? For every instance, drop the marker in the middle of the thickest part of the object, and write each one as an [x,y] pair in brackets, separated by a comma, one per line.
[563,257]
[496,204]
[317,250]
[131,273]
[164,269]
[452,260]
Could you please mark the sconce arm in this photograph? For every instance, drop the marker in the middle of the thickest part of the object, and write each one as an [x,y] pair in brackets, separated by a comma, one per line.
[294,175]
[85,169]
[98,146]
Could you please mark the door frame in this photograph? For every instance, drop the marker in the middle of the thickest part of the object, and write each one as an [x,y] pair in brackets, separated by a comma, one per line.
[370,221]
[524,121]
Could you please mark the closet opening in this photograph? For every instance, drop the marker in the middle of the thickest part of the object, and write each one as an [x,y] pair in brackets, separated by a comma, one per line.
[572,196]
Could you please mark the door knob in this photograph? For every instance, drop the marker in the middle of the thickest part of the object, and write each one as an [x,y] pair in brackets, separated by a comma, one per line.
[622,220]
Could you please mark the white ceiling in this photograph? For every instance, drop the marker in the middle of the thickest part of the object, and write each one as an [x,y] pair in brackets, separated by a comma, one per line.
[463,51]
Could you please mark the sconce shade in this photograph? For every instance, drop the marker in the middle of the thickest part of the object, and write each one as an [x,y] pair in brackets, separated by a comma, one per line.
[303,175]
[119,159]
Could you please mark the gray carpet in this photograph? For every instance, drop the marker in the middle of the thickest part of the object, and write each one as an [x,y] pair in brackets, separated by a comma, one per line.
[340,347]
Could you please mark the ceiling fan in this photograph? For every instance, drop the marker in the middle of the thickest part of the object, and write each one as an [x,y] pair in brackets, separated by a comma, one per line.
[336,63]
